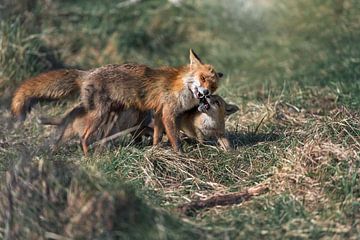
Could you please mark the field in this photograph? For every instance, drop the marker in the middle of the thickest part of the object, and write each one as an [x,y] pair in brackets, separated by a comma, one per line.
[292,67]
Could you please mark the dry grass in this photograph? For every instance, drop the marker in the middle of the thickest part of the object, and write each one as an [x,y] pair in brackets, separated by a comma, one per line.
[42,199]
[309,162]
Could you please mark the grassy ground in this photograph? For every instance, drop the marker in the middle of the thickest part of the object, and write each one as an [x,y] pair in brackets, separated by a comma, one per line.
[292,68]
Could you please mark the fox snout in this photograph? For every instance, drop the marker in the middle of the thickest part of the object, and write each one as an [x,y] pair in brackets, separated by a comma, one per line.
[200,92]
[203,92]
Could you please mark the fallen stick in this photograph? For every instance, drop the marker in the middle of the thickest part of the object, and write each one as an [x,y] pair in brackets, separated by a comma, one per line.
[221,200]
[116,135]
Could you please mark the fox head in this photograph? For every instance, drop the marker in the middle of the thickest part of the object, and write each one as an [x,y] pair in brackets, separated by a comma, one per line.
[203,79]
[216,106]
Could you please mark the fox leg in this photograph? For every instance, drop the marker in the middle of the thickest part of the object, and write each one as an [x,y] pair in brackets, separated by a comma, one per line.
[106,129]
[158,129]
[224,142]
[97,100]
[168,119]
[199,135]
[89,129]
[84,147]
[96,122]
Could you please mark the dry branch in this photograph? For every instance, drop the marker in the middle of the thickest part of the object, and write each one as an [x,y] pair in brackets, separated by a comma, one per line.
[116,135]
[222,200]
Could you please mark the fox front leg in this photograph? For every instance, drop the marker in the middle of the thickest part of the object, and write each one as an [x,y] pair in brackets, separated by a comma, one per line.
[224,143]
[168,119]
[158,129]
[199,135]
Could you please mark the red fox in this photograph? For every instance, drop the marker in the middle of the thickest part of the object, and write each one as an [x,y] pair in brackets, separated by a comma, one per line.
[168,91]
[199,125]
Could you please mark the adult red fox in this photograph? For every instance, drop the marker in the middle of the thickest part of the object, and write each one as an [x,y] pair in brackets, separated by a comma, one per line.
[168,91]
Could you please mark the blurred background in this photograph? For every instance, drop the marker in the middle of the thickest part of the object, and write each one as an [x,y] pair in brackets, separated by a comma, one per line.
[264,47]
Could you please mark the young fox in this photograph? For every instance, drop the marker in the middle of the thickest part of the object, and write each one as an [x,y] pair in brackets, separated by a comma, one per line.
[208,123]
[194,124]
[168,91]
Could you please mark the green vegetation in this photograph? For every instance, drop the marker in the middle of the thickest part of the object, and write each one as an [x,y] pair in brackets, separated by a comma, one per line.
[293,67]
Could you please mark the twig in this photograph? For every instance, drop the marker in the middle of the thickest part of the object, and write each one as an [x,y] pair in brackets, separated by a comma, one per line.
[116,135]
[221,200]
[293,107]
[257,127]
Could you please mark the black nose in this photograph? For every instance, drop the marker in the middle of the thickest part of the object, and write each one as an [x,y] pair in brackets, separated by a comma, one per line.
[206,92]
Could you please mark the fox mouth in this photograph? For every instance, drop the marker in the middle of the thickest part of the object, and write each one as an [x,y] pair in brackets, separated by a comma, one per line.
[197,94]
[204,105]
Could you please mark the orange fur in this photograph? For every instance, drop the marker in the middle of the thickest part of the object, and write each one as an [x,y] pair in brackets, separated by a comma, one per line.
[50,85]
[168,91]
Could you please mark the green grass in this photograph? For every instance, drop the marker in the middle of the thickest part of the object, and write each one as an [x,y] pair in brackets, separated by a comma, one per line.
[291,67]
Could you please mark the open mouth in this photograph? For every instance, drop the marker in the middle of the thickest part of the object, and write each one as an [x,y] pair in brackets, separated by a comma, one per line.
[197,94]
[203,104]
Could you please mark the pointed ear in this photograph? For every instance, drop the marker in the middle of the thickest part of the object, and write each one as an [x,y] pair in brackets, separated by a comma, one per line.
[220,74]
[194,59]
[230,109]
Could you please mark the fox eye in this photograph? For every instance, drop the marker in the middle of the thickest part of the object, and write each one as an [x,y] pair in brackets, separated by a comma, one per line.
[217,102]
[202,78]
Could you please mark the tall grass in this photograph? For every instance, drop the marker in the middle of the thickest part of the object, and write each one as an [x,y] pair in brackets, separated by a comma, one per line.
[22,54]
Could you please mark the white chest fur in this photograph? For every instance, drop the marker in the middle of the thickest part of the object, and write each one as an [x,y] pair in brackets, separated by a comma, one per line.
[186,96]
[187,100]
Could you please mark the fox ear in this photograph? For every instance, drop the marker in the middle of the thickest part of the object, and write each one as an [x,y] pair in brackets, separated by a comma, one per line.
[220,74]
[230,109]
[194,59]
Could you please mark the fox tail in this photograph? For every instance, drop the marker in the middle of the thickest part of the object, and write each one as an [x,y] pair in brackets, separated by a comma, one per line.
[51,85]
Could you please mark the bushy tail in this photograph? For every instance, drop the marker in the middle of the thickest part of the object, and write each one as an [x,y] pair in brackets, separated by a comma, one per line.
[51,85]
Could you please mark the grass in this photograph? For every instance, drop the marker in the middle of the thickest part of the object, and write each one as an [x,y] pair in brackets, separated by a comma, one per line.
[291,68]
